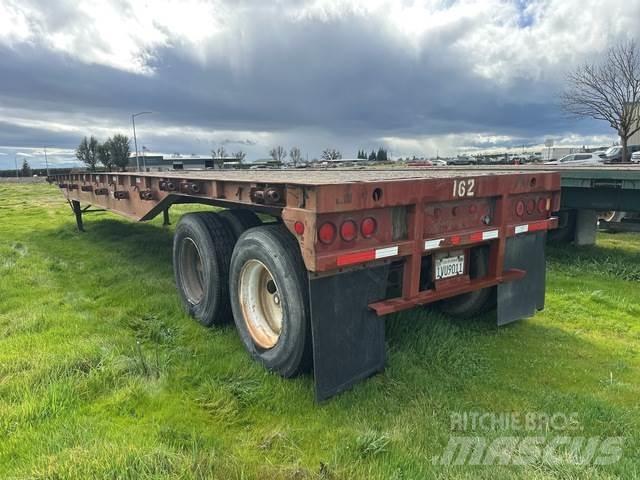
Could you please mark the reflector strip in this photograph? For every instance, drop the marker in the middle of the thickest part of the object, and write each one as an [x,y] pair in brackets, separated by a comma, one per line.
[534,227]
[431,244]
[475,237]
[522,229]
[491,234]
[387,252]
[357,257]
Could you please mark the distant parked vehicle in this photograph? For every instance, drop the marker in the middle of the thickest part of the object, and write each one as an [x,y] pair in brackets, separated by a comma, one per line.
[438,163]
[601,153]
[614,154]
[635,157]
[577,159]
[462,161]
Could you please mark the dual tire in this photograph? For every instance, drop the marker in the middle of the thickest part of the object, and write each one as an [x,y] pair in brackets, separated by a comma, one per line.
[225,268]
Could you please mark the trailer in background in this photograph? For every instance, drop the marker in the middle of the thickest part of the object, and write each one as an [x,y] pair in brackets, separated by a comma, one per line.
[345,248]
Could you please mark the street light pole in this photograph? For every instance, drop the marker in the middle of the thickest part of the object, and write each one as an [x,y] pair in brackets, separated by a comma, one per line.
[135,139]
[46,161]
[15,161]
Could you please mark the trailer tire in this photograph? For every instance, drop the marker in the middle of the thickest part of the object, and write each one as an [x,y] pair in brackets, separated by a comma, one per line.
[565,233]
[477,302]
[270,301]
[240,220]
[202,248]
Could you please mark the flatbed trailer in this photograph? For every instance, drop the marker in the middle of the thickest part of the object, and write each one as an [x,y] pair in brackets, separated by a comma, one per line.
[347,247]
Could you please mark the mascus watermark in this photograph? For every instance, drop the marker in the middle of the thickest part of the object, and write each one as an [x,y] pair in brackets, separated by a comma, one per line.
[550,438]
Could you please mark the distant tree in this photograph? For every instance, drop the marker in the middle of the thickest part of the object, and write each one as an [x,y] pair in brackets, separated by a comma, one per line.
[26,168]
[278,154]
[608,91]
[220,152]
[119,149]
[87,152]
[104,155]
[372,156]
[240,156]
[362,154]
[295,155]
[331,154]
[381,156]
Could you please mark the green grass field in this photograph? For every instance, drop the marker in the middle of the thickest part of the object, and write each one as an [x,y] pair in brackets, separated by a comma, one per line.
[103,376]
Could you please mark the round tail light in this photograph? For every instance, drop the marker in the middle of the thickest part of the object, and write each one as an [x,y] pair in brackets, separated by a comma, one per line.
[299,227]
[542,205]
[327,233]
[531,206]
[368,227]
[348,230]
[520,208]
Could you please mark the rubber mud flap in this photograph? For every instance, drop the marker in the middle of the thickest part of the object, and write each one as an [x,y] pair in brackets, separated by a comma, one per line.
[522,298]
[348,337]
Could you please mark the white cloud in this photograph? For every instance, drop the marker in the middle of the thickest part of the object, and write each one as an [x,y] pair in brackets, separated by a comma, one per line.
[489,33]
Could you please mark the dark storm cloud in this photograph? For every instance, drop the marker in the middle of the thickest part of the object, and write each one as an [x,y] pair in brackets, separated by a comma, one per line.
[350,76]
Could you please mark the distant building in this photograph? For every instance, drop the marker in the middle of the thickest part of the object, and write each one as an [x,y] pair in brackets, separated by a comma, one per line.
[159,163]
[635,138]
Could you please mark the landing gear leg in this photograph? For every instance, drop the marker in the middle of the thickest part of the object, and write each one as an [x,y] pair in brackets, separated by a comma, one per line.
[75,205]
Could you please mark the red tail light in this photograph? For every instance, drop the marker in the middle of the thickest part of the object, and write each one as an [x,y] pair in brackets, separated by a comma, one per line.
[520,208]
[531,206]
[542,205]
[299,227]
[348,230]
[327,233]
[368,227]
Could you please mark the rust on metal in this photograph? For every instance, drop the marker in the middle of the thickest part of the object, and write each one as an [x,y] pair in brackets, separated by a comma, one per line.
[418,213]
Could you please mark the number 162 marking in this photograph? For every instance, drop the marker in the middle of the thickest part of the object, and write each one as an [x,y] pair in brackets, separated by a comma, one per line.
[464,188]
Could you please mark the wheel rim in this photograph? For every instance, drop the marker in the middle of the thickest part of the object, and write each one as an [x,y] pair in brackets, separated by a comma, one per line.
[192,271]
[261,304]
[607,216]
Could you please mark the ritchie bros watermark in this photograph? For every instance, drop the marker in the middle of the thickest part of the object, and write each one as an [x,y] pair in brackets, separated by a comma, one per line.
[514,438]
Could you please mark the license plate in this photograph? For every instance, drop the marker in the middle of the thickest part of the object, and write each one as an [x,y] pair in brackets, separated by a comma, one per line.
[448,266]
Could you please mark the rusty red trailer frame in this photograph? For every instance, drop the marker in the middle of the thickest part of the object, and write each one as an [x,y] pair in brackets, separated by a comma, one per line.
[417,214]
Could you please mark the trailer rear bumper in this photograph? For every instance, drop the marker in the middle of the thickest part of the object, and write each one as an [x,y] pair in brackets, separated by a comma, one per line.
[386,307]
[347,311]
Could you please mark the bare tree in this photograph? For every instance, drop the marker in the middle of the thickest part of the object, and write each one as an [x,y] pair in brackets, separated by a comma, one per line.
[278,154]
[331,154]
[295,155]
[240,156]
[220,152]
[608,91]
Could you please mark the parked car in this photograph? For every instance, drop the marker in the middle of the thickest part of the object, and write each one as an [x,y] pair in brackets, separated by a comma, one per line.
[614,154]
[577,159]
[462,160]
[600,153]
[635,157]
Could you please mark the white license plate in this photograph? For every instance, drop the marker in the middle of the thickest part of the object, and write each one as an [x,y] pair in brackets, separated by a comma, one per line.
[450,266]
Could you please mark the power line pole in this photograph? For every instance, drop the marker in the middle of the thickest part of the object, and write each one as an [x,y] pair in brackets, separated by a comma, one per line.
[46,161]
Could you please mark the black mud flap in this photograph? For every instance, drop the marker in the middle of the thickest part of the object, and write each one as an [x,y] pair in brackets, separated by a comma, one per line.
[348,337]
[522,298]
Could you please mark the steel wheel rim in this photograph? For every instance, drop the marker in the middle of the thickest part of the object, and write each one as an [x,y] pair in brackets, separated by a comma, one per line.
[261,302]
[192,271]
[607,216]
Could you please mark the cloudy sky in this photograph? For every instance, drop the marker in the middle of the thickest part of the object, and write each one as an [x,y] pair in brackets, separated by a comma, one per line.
[417,77]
